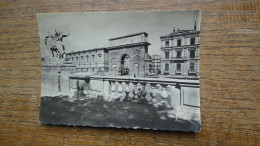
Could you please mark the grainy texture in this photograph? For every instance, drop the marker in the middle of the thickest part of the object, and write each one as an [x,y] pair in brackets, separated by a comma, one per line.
[229,66]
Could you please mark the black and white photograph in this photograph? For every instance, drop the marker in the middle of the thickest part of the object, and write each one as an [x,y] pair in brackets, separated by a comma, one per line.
[128,69]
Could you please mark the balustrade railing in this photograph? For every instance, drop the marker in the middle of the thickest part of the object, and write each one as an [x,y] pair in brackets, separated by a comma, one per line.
[155,91]
[151,90]
[135,91]
[192,71]
[180,58]
[193,57]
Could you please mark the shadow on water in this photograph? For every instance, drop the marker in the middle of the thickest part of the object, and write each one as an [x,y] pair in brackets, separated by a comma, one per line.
[62,110]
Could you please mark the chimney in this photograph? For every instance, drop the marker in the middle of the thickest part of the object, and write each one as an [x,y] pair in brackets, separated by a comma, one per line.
[173,29]
[195,26]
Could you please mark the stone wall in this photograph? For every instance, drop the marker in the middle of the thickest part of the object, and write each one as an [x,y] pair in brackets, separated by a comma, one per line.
[50,82]
[55,78]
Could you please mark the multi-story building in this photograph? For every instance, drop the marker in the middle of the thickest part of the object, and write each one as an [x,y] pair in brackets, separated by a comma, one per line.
[126,55]
[154,64]
[180,54]
[156,60]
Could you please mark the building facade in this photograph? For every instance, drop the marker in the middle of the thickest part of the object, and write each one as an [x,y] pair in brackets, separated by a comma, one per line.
[156,60]
[125,56]
[154,64]
[180,54]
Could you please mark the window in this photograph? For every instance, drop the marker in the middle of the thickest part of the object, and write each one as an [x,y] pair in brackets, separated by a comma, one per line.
[178,66]
[179,42]
[192,41]
[99,55]
[86,58]
[166,43]
[167,55]
[72,58]
[192,53]
[81,61]
[192,67]
[178,54]
[166,67]
[93,69]
[93,58]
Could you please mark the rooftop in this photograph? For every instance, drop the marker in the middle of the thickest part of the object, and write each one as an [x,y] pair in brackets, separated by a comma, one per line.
[113,47]
[94,49]
[179,32]
[129,45]
[130,35]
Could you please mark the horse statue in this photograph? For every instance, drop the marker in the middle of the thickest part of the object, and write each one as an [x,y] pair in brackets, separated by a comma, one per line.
[54,44]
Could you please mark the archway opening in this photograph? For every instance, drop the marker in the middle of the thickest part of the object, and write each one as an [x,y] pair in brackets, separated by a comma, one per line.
[124,61]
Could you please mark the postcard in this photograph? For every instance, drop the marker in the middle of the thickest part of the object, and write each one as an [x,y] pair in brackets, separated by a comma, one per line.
[130,69]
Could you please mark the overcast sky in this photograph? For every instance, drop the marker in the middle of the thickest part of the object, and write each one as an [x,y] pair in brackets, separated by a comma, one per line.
[92,30]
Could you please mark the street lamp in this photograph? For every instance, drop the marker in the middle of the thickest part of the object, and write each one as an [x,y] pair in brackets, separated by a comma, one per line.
[114,66]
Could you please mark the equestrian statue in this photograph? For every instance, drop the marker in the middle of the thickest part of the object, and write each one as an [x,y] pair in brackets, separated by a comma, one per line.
[54,44]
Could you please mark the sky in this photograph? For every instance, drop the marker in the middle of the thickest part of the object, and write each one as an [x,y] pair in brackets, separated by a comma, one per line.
[90,30]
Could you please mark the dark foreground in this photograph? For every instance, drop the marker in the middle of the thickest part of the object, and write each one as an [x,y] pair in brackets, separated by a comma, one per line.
[62,110]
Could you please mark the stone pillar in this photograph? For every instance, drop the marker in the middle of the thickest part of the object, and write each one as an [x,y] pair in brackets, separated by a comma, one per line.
[175,96]
[118,65]
[106,91]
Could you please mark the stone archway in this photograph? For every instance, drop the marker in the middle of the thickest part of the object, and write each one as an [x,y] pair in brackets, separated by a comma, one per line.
[113,62]
[112,66]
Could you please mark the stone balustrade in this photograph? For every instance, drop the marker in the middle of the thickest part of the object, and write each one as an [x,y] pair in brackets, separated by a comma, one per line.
[157,91]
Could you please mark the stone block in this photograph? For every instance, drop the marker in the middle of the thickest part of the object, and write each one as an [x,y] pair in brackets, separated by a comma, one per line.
[190,96]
